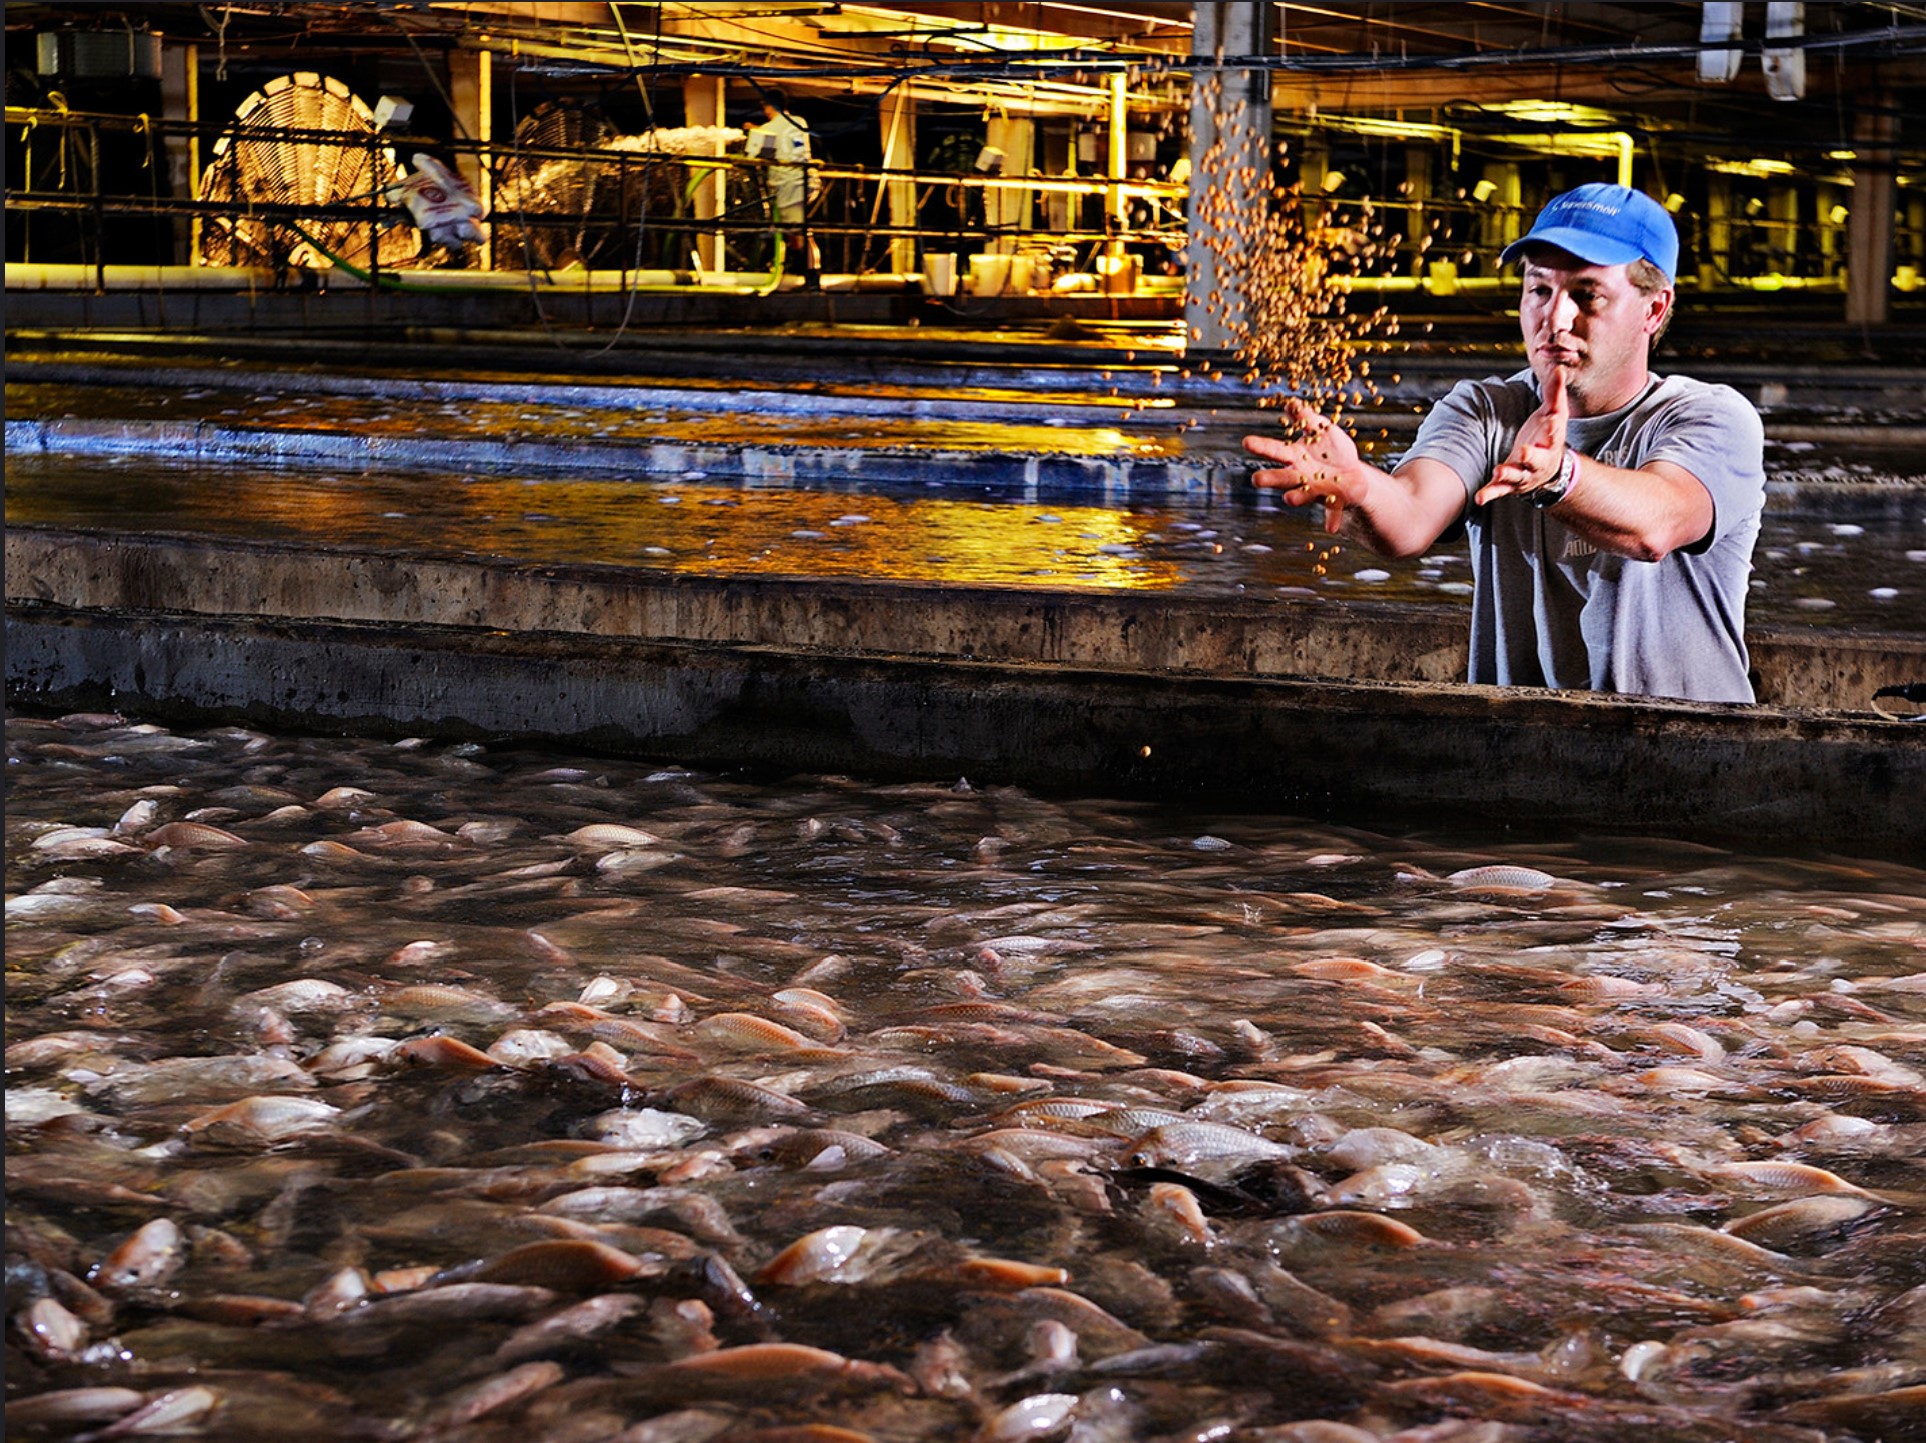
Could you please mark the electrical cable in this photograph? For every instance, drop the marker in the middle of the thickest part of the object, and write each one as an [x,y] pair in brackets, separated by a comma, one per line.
[448,100]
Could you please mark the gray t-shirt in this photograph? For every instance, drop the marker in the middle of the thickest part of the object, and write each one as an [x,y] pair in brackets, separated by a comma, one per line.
[1548,609]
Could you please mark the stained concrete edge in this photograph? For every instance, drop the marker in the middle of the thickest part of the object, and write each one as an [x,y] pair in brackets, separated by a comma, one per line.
[1147,631]
[1357,751]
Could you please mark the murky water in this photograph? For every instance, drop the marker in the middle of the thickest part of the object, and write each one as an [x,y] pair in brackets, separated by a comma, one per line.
[969,419]
[371,1090]
[1835,568]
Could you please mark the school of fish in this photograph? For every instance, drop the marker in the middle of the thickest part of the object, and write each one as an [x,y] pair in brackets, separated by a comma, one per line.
[396,1089]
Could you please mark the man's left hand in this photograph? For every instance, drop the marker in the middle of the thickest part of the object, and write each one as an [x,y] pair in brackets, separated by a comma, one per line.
[1540,449]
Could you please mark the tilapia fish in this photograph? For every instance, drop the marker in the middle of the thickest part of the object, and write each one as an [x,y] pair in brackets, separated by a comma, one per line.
[373,1089]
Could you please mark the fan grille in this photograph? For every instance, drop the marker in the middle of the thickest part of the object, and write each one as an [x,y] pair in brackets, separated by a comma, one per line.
[546,201]
[302,140]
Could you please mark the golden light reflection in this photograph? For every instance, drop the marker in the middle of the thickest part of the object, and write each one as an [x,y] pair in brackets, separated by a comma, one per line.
[970,543]
[697,527]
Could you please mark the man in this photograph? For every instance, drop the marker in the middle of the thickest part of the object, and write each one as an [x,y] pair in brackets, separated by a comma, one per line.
[1611,512]
[783,139]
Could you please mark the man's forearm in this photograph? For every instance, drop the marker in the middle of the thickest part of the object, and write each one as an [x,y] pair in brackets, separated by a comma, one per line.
[1400,514]
[1643,514]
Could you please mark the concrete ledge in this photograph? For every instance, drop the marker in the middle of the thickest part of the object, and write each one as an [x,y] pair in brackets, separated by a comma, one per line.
[1134,631]
[1355,751]
[380,314]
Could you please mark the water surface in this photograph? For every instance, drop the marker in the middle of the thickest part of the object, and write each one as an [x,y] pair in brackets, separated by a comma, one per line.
[363,1089]
[1838,564]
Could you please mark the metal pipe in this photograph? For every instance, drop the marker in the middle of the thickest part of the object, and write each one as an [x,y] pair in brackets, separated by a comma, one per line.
[74,276]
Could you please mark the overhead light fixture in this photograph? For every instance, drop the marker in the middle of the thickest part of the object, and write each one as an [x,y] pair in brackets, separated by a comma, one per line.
[1754,205]
[1551,112]
[1837,215]
[1759,168]
[393,113]
[1334,181]
[1113,14]
[1785,69]
[1721,21]
[1484,190]
[1674,203]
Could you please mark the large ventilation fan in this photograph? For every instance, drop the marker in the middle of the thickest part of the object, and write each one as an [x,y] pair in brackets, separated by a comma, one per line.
[546,199]
[303,140]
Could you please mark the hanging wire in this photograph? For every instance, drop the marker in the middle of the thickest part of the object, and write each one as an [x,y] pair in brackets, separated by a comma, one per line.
[448,100]
[144,127]
[534,291]
[219,27]
[628,50]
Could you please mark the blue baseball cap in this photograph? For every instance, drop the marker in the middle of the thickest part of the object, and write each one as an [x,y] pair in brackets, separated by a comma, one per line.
[1607,225]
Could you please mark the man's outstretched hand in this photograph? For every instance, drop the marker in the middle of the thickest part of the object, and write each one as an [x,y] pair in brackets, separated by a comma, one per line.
[1539,450]
[1321,465]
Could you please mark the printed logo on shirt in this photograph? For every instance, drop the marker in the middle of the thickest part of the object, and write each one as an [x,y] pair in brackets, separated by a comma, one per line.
[1576,546]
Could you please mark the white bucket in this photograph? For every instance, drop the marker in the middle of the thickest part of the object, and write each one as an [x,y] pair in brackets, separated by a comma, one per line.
[1119,273]
[939,275]
[989,275]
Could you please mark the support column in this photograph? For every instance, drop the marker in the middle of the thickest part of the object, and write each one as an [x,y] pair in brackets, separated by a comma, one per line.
[1782,233]
[1914,255]
[1230,157]
[1716,263]
[1829,196]
[1006,208]
[1869,228]
[1417,196]
[897,115]
[1117,209]
[1499,197]
[1511,194]
[181,104]
[471,87]
[1313,168]
[704,100]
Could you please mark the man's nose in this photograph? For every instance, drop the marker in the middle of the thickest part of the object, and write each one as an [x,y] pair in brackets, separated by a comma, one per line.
[1563,312]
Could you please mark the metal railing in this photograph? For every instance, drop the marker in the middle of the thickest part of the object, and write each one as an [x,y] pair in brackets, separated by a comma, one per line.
[550,207]
[699,216]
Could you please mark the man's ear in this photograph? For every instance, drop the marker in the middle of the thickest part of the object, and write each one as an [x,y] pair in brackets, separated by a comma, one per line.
[1658,307]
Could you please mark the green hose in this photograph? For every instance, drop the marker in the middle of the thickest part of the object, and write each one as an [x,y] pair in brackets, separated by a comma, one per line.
[360,274]
[396,284]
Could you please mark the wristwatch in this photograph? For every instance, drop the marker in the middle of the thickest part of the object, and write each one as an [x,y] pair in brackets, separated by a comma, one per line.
[1560,486]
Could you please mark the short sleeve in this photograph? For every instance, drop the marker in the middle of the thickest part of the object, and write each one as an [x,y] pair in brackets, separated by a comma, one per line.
[1717,435]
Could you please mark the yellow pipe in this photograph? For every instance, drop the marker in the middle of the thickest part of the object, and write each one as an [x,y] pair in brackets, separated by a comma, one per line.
[37,276]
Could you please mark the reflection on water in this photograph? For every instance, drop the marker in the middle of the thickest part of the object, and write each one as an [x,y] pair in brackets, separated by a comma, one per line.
[1095,427]
[1809,570]
[361,1089]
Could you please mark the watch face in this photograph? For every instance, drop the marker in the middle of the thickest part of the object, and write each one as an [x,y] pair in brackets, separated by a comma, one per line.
[1553,491]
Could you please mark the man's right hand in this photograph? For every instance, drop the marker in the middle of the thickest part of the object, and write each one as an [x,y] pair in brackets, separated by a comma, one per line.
[1322,465]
